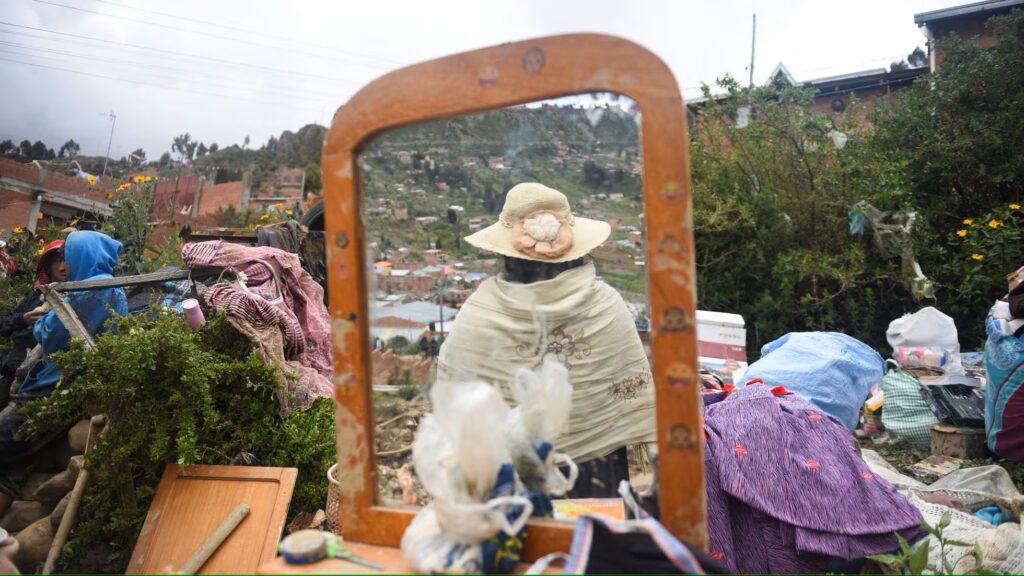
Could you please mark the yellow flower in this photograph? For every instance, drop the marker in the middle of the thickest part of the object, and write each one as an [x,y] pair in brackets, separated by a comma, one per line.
[1014,206]
[18,229]
[961,233]
[993,223]
[39,214]
[288,211]
[264,216]
[109,196]
[977,256]
[91,179]
[40,251]
[968,221]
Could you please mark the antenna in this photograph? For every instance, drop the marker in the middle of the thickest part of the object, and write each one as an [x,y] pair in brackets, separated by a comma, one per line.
[113,122]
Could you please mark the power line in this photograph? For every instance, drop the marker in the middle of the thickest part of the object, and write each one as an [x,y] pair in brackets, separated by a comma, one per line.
[172,52]
[245,31]
[129,81]
[304,94]
[212,35]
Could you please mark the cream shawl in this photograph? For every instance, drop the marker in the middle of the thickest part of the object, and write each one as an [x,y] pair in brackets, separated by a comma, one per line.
[585,324]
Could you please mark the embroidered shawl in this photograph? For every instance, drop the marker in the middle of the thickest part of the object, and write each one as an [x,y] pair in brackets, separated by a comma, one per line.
[585,324]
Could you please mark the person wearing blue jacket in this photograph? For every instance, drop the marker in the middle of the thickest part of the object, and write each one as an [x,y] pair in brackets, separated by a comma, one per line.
[87,255]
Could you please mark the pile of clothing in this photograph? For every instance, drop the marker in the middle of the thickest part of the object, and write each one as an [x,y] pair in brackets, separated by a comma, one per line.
[279,307]
[786,490]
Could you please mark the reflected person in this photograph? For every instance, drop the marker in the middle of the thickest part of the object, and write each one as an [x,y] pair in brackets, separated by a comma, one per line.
[549,301]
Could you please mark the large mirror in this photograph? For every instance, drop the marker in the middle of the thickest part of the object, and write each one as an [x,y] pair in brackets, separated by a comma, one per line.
[495,240]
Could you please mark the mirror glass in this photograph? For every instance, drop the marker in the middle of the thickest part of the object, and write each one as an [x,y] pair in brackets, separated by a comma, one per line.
[468,281]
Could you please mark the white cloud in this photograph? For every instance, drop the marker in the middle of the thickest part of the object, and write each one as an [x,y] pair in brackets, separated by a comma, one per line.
[336,47]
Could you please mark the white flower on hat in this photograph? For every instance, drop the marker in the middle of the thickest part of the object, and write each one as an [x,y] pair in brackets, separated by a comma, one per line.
[542,227]
[543,235]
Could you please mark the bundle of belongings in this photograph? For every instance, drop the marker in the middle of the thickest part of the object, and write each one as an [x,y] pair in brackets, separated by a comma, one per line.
[279,307]
[786,490]
[925,381]
[982,509]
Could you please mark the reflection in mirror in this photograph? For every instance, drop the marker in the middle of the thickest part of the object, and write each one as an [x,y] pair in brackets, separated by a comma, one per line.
[496,240]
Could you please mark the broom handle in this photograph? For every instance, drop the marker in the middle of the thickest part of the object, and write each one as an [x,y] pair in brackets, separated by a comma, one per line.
[214,540]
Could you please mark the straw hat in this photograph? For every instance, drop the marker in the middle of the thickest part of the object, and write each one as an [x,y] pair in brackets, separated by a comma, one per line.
[536,223]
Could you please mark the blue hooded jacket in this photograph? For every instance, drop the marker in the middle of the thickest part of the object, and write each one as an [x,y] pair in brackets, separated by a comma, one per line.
[87,255]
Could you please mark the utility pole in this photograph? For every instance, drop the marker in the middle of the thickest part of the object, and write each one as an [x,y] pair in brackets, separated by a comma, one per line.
[113,122]
[753,41]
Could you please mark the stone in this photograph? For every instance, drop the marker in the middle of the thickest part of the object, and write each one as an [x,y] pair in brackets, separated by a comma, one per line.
[78,435]
[32,483]
[58,513]
[51,491]
[35,545]
[21,514]
[76,464]
[53,457]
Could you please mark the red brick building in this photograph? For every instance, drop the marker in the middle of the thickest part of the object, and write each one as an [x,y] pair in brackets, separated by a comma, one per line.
[967,21]
[28,190]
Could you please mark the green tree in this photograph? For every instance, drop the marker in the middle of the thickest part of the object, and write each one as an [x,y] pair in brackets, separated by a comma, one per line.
[313,183]
[770,217]
[957,137]
[138,158]
[7,148]
[959,133]
[70,149]
[185,147]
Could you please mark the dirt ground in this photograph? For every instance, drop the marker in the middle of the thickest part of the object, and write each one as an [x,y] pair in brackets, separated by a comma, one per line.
[397,420]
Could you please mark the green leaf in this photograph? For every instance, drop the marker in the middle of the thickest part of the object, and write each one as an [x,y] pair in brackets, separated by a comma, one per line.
[891,560]
[904,546]
[919,557]
[947,517]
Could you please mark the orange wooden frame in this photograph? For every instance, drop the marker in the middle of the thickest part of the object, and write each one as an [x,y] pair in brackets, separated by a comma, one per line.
[496,77]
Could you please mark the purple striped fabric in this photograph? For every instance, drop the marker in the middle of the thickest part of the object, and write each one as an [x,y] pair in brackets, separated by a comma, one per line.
[787,490]
[295,305]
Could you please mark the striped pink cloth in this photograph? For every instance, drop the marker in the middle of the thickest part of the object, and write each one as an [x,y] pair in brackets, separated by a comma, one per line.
[276,292]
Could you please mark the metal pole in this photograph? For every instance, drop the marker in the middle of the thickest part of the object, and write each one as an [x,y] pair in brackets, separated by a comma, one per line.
[753,41]
[113,122]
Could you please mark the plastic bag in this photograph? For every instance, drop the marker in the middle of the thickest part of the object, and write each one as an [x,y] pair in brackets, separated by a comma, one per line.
[832,370]
[906,414]
[927,327]
[476,521]
[543,401]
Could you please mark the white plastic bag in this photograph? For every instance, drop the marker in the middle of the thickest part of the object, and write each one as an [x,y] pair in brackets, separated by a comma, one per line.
[543,402]
[927,327]
[462,460]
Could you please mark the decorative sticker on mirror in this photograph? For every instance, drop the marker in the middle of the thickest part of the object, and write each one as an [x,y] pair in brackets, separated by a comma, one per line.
[679,375]
[488,76]
[682,437]
[676,319]
[533,60]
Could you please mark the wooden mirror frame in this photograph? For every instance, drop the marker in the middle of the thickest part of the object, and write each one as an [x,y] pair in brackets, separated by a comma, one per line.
[496,77]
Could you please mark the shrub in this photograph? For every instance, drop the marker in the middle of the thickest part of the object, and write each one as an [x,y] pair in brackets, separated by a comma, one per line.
[172,394]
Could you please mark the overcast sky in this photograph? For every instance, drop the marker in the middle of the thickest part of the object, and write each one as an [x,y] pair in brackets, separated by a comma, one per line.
[225,69]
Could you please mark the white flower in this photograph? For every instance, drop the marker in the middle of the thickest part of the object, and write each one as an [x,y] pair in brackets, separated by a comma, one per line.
[542,227]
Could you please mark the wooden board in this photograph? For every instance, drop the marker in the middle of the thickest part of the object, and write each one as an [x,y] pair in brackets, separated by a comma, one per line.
[191,502]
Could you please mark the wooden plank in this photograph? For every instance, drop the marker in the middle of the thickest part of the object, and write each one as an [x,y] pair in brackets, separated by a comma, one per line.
[191,502]
[66,314]
[497,77]
[151,278]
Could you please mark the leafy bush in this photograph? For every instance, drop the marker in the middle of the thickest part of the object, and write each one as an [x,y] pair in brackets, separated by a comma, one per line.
[172,394]
[771,201]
